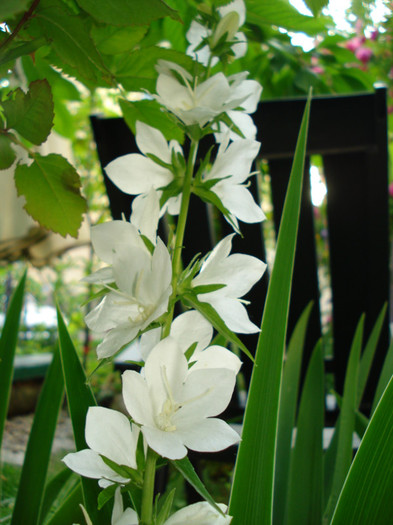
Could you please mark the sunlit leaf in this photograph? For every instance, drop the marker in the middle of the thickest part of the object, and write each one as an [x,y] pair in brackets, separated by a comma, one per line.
[51,187]
[316,6]
[7,154]
[111,40]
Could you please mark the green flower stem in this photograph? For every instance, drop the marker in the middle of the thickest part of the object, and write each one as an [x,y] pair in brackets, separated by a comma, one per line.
[180,229]
[148,488]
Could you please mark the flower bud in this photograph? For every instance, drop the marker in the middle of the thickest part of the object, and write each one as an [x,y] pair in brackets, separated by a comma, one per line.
[228,25]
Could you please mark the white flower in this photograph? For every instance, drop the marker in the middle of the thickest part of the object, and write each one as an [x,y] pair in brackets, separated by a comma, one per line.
[251,90]
[199,103]
[143,285]
[200,513]
[121,516]
[175,405]
[239,273]
[146,213]
[232,165]
[108,433]
[232,17]
[136,174]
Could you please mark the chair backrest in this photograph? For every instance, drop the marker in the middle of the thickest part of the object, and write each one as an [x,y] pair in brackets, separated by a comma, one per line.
[350,134]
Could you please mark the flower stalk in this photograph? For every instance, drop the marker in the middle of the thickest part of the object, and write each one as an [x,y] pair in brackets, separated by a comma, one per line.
[148,488]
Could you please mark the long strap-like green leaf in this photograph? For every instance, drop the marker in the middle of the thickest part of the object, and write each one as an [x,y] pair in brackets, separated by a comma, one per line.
[252,491]
[8,339]
[79,397]
[35,467]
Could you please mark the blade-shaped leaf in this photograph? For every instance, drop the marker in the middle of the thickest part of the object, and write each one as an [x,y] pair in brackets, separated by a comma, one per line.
[369,352]
[8,339]
[305,494]
[184,466]
[346,423]
[69,511]
[79,398]
[384,378]
[366,497]
[252,491]
[287,414]
[35,467]
[53,488]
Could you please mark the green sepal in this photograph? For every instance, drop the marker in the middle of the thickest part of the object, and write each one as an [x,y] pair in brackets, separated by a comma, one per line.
[208,196]
[165,510]
[135,476]
[105,495]
[206,288]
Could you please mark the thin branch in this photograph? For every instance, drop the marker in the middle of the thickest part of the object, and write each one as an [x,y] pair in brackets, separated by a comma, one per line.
[20,24]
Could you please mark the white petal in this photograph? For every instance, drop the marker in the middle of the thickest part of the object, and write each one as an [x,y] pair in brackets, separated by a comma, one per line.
[211,272]
[210,435]
[236,161]
[89,464]
[136,398]
[206,392]
[217,357]
[239,201]
[166,444]
[148,341]
[233,314]
[191,327]
[134,174]
[103,275]
[145,214]
[108,432]
[116,339]
[108,236]
[151,140]
[200,513]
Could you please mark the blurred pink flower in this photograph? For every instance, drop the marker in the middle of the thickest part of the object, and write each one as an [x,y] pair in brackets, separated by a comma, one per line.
[363,54]
[355,43]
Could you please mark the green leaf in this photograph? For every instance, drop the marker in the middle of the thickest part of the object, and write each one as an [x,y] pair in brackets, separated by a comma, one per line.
[384,378]
[166,506]
[209,196]
[150,112]
[7,154]
[106,495]
[69,38]
[31,113]
[368,354]
[287,413]
[69,511]
[212,316]
[9,8]
[8,340]
[252,491]
[136,71]
[185,467]
[111,40]
[346,423]
[316,6]
[51,187]
[53,488]
[282,14]
[127,12]
[38,452]
[20,49]
[305,495]
[79,398]
[366,497]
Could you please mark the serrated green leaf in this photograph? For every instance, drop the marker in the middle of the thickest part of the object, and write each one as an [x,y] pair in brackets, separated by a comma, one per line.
[136,71]
[7,154]
[31,113]
[366,497]
[287,413]
[346,423]
[79,399]
[305,494]
[282,14]
[212,316]
[69,38]
[184,466]
[127,12]
[8,339]
[150,112]
[252,490]
[111,40]
[9,8]
[316,6]
[51,187]
[38,452]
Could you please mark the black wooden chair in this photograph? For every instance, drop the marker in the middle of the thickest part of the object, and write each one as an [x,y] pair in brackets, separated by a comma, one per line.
[350,133]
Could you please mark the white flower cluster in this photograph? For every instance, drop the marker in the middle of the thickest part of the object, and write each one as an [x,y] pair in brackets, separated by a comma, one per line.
[185,382]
